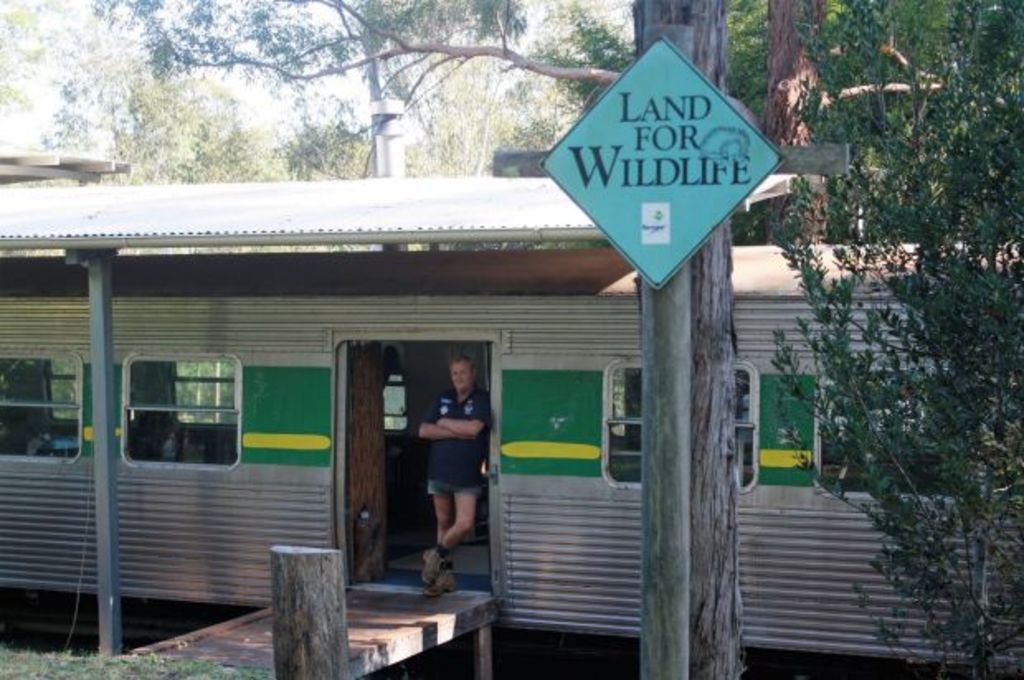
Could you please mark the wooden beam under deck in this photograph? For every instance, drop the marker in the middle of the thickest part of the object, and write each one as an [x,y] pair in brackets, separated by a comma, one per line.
[386,625]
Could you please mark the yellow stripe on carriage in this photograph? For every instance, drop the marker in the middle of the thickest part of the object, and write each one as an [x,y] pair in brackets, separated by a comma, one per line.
[87,433]
[559,450]
[784,458]
[292,442]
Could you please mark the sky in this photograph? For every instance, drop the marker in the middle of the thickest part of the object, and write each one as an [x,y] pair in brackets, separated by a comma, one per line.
[65,33]
[25,127]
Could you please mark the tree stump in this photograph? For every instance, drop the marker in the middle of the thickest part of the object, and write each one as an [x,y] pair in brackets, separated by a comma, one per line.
[310,625]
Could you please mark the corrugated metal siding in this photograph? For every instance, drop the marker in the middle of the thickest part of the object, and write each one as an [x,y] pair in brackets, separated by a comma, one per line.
[210,541]
[187,539]
[798,571]
[572,564]
[301,325]
[46,528]
[757,319]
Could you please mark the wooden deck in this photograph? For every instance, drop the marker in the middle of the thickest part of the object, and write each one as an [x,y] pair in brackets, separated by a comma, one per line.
[386,625]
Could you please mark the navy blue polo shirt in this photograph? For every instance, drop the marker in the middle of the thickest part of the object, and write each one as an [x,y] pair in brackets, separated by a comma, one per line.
[457,461]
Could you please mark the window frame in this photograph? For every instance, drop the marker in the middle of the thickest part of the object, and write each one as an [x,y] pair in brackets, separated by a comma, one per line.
[405,400]
[126,405]
[79,406]
[755,426]
[606,421]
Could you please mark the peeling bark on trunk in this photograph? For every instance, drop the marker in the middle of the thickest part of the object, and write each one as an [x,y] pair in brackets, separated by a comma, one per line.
[716,607]
[789,72]
[790,75]
[366,469]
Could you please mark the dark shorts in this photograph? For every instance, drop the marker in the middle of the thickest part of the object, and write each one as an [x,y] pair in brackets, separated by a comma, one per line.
[438,488]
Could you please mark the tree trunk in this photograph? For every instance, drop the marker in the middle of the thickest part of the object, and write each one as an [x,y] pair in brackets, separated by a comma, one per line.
[366,462]
[790,72]
[790,76]
[714,564]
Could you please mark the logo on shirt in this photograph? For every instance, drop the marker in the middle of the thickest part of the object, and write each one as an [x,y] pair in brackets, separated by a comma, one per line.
[444,409]
[468,409]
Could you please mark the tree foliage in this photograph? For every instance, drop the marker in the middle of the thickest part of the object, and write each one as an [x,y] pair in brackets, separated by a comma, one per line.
[916,330]
[19,49]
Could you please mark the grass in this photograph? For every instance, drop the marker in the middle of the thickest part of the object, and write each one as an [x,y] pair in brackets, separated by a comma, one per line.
[18,664]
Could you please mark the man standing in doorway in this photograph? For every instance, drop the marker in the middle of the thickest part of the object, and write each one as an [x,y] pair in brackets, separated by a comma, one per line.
[458,425]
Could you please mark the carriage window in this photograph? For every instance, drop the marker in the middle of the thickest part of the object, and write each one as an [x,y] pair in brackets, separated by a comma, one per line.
[182,411]
[836,472]
[40,407]
[624,424]
[746,430]
[395,416]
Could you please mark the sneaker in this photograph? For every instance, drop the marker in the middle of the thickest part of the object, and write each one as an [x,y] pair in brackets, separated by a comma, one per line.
[444,583]
[431,565]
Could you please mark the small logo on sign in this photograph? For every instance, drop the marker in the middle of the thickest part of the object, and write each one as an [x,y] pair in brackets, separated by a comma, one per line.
[655,224]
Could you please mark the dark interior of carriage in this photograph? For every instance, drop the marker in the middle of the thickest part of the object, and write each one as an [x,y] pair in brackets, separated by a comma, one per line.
[414,373]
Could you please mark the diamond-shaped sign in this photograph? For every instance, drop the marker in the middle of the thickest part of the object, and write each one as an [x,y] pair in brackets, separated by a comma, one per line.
[660,160]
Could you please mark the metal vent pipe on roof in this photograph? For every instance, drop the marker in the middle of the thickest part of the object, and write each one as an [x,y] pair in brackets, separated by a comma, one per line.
[388,137]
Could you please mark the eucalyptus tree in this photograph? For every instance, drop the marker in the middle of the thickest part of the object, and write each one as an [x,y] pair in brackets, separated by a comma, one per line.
[916,330]
[424,53]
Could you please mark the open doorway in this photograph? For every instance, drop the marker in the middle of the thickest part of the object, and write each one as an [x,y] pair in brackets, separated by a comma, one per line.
[391,385]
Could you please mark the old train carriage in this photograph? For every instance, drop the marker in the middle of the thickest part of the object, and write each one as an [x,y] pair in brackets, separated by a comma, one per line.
[243,391]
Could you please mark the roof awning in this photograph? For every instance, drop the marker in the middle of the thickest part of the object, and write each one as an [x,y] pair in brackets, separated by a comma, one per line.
[470,209]
[29,167]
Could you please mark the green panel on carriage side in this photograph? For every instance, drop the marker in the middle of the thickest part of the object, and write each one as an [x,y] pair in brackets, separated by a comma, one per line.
[87,425]
[782,416]
[286,416]
[551,423]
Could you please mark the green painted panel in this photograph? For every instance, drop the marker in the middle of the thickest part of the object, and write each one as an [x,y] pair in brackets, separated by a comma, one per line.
[782,413]
[286,400]
[551,406]
[784,477]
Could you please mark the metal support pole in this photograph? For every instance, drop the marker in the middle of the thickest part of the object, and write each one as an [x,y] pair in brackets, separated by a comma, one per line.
[667,364]
[108,572]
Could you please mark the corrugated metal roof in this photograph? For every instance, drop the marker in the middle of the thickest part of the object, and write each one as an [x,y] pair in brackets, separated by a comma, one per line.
[294,213]
[366,211]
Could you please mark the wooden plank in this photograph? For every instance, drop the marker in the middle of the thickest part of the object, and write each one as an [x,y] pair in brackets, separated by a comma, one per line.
[24,173]
[819,159]
[217,630]
[386,625]
[30,159]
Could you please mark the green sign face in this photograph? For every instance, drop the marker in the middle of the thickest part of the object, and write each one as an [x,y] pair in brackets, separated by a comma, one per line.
[659,161]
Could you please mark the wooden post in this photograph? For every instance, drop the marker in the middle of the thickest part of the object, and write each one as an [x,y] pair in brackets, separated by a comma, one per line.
[366,462]
[483,666]
[310,621]
[690,562]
